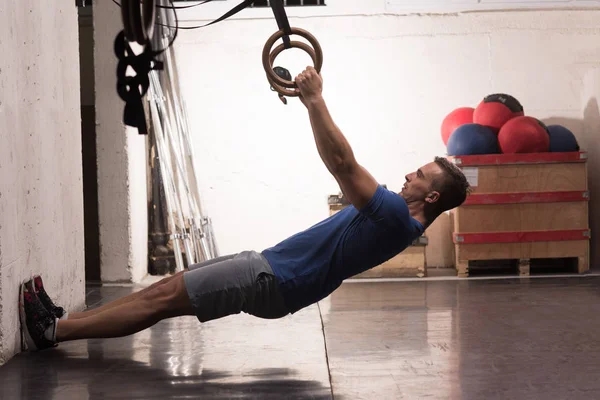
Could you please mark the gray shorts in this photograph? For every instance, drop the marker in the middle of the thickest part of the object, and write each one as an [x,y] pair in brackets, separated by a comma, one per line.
[227,285]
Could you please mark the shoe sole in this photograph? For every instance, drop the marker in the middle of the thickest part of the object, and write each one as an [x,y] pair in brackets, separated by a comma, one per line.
[28,339]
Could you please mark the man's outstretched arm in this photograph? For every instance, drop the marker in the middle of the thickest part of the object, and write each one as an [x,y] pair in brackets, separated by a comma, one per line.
[356,182]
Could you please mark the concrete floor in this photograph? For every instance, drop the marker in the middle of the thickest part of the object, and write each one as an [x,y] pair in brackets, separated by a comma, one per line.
[467,339]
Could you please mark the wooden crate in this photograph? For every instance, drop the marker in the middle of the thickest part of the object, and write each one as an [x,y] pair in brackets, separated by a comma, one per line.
[523,207]
[412,262]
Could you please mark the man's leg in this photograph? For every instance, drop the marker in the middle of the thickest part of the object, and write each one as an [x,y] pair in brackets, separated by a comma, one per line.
[122,300]
[42,330]
[244,284]
[164,301]
[133,296]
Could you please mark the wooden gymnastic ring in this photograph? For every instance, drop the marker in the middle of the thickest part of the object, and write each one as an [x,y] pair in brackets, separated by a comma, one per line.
[268,59]
[279,88]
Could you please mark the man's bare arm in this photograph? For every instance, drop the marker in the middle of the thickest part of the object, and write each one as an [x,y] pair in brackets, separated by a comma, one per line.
[357,184]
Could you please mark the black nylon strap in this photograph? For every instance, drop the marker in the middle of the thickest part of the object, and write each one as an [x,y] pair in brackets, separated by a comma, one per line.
[278,11]
[228,14]
[231,12]
[282,21]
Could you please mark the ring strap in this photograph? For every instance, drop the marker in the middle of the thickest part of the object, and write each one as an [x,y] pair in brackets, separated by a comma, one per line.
[282,21]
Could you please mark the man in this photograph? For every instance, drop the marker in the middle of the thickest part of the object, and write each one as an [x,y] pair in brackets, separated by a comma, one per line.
[295,273]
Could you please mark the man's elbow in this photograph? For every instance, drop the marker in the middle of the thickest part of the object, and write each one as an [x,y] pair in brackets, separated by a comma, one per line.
[344,165]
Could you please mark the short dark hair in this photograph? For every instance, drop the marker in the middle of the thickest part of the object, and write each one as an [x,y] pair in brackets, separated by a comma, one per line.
[452,186]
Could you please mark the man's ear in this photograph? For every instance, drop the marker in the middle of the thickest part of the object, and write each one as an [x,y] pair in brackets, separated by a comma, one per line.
[432,197]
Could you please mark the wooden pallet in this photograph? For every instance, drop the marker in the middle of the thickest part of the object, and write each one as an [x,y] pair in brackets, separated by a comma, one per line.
[523,207]
[523,266]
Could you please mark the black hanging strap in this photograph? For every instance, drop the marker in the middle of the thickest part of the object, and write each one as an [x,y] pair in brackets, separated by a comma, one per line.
[276,6]
[228,14]
[282,21]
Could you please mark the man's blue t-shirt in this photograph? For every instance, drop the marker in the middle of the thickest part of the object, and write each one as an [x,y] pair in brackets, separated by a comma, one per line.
[313,263]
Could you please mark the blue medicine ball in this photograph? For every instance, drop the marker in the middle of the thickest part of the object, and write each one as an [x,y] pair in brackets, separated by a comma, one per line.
[562,139]
[472,139]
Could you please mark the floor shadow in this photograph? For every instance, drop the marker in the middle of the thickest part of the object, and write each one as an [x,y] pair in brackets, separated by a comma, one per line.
[56,374]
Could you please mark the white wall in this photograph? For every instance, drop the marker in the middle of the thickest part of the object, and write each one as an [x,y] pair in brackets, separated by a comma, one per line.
[122,193]
[389,82]
[41,198]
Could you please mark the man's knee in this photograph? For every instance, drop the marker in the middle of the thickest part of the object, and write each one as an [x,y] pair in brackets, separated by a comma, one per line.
[170,298]
[166,280]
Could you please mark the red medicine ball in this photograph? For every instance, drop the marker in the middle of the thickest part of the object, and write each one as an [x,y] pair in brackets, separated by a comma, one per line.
[497,109]
[524,135]
[456,118]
